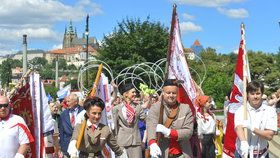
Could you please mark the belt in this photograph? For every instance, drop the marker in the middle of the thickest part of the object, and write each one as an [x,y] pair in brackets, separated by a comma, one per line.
[174,155]
[89,154]
[259,152]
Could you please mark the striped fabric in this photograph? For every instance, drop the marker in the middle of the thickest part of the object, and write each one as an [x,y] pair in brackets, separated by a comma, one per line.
[130,113]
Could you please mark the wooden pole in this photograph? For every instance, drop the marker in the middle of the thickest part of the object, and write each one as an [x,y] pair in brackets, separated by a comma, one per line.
[171,37]
[92,93]
[245,77]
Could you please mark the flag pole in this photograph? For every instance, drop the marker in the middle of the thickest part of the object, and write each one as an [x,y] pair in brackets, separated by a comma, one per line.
[20,83]
[171,37]
[92,93]
[245,77]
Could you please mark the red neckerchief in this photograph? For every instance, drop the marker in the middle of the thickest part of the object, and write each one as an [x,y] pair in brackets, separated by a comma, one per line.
[130,113]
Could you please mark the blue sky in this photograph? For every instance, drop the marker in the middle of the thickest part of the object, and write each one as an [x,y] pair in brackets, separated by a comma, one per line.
[216,23]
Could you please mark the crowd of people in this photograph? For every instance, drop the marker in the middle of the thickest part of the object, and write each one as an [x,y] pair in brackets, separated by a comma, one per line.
[154,125]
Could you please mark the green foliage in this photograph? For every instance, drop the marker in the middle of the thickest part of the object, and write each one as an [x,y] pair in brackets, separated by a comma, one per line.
[47,72]
[71,67]
[74,85]
[62,64]
[38,63]
[134,41]
[6,70]
[219,77]
[52,90]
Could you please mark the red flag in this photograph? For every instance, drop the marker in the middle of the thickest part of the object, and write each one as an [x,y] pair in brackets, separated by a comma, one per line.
[236,97]
[22,106]
[177,68]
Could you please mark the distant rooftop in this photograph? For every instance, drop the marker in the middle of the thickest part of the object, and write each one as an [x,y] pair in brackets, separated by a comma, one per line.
[196,43]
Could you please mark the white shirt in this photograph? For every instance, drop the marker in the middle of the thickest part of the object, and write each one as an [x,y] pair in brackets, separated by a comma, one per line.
[13,133]
[207,125]
[264,117]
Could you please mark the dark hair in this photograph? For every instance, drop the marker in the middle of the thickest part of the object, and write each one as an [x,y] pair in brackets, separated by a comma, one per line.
[254,86]
[170,82]
[277,104]
[93,101]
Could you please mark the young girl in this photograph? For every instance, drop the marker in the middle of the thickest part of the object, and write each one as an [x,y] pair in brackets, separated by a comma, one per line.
[206,126]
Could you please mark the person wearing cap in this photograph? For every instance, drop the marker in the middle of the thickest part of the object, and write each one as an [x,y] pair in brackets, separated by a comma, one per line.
[126,117]
[96,134]
[261,124]
[206,126]
[175,140]
[14,133]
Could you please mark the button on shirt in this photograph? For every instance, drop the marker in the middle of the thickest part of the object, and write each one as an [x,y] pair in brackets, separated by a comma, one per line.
[264,117]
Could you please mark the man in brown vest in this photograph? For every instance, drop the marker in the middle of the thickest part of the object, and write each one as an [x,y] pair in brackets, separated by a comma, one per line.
[174,121]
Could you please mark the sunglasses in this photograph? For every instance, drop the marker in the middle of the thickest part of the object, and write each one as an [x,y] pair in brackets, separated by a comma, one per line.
[3,105]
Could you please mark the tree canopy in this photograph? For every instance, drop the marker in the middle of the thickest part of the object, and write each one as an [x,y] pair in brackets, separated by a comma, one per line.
[134,41]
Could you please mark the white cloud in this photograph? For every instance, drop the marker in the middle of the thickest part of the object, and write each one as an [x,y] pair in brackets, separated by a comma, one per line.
[37,18]
[189,27]
[57,46]
[234,13]
[207,3]
[187,16]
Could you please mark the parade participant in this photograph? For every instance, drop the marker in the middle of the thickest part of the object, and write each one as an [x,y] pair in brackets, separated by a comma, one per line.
[206,126]
[96,134]
[67,122]
[55,118]
[126,118]
[14,133]
[261,124]
[177,125]
[219,139]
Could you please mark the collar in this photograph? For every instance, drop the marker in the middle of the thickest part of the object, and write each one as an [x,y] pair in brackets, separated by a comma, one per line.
[90,124]
[74,108]
[261,108]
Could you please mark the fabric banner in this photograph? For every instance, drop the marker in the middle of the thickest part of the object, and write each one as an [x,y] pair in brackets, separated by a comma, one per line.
[43,123]
[236,97]
[22,105]
[177,64]
[62,93]
[104,92]
[178,69]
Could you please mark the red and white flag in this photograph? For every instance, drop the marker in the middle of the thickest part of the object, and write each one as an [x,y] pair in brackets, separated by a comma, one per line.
[177,64]
[177,68]
[31,103]
[43,124]
[236,97]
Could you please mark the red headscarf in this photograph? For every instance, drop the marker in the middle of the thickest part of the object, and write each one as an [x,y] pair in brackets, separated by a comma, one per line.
[201,102]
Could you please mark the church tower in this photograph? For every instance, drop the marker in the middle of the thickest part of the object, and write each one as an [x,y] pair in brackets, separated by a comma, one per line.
[69,36]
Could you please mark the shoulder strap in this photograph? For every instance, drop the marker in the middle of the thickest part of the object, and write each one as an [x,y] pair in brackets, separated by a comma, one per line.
[171,117]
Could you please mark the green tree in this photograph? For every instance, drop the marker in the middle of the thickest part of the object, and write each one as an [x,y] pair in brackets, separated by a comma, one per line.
[134,41]
[52,90]
[6,72]
[62,64]
[47,72]
[38,63]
